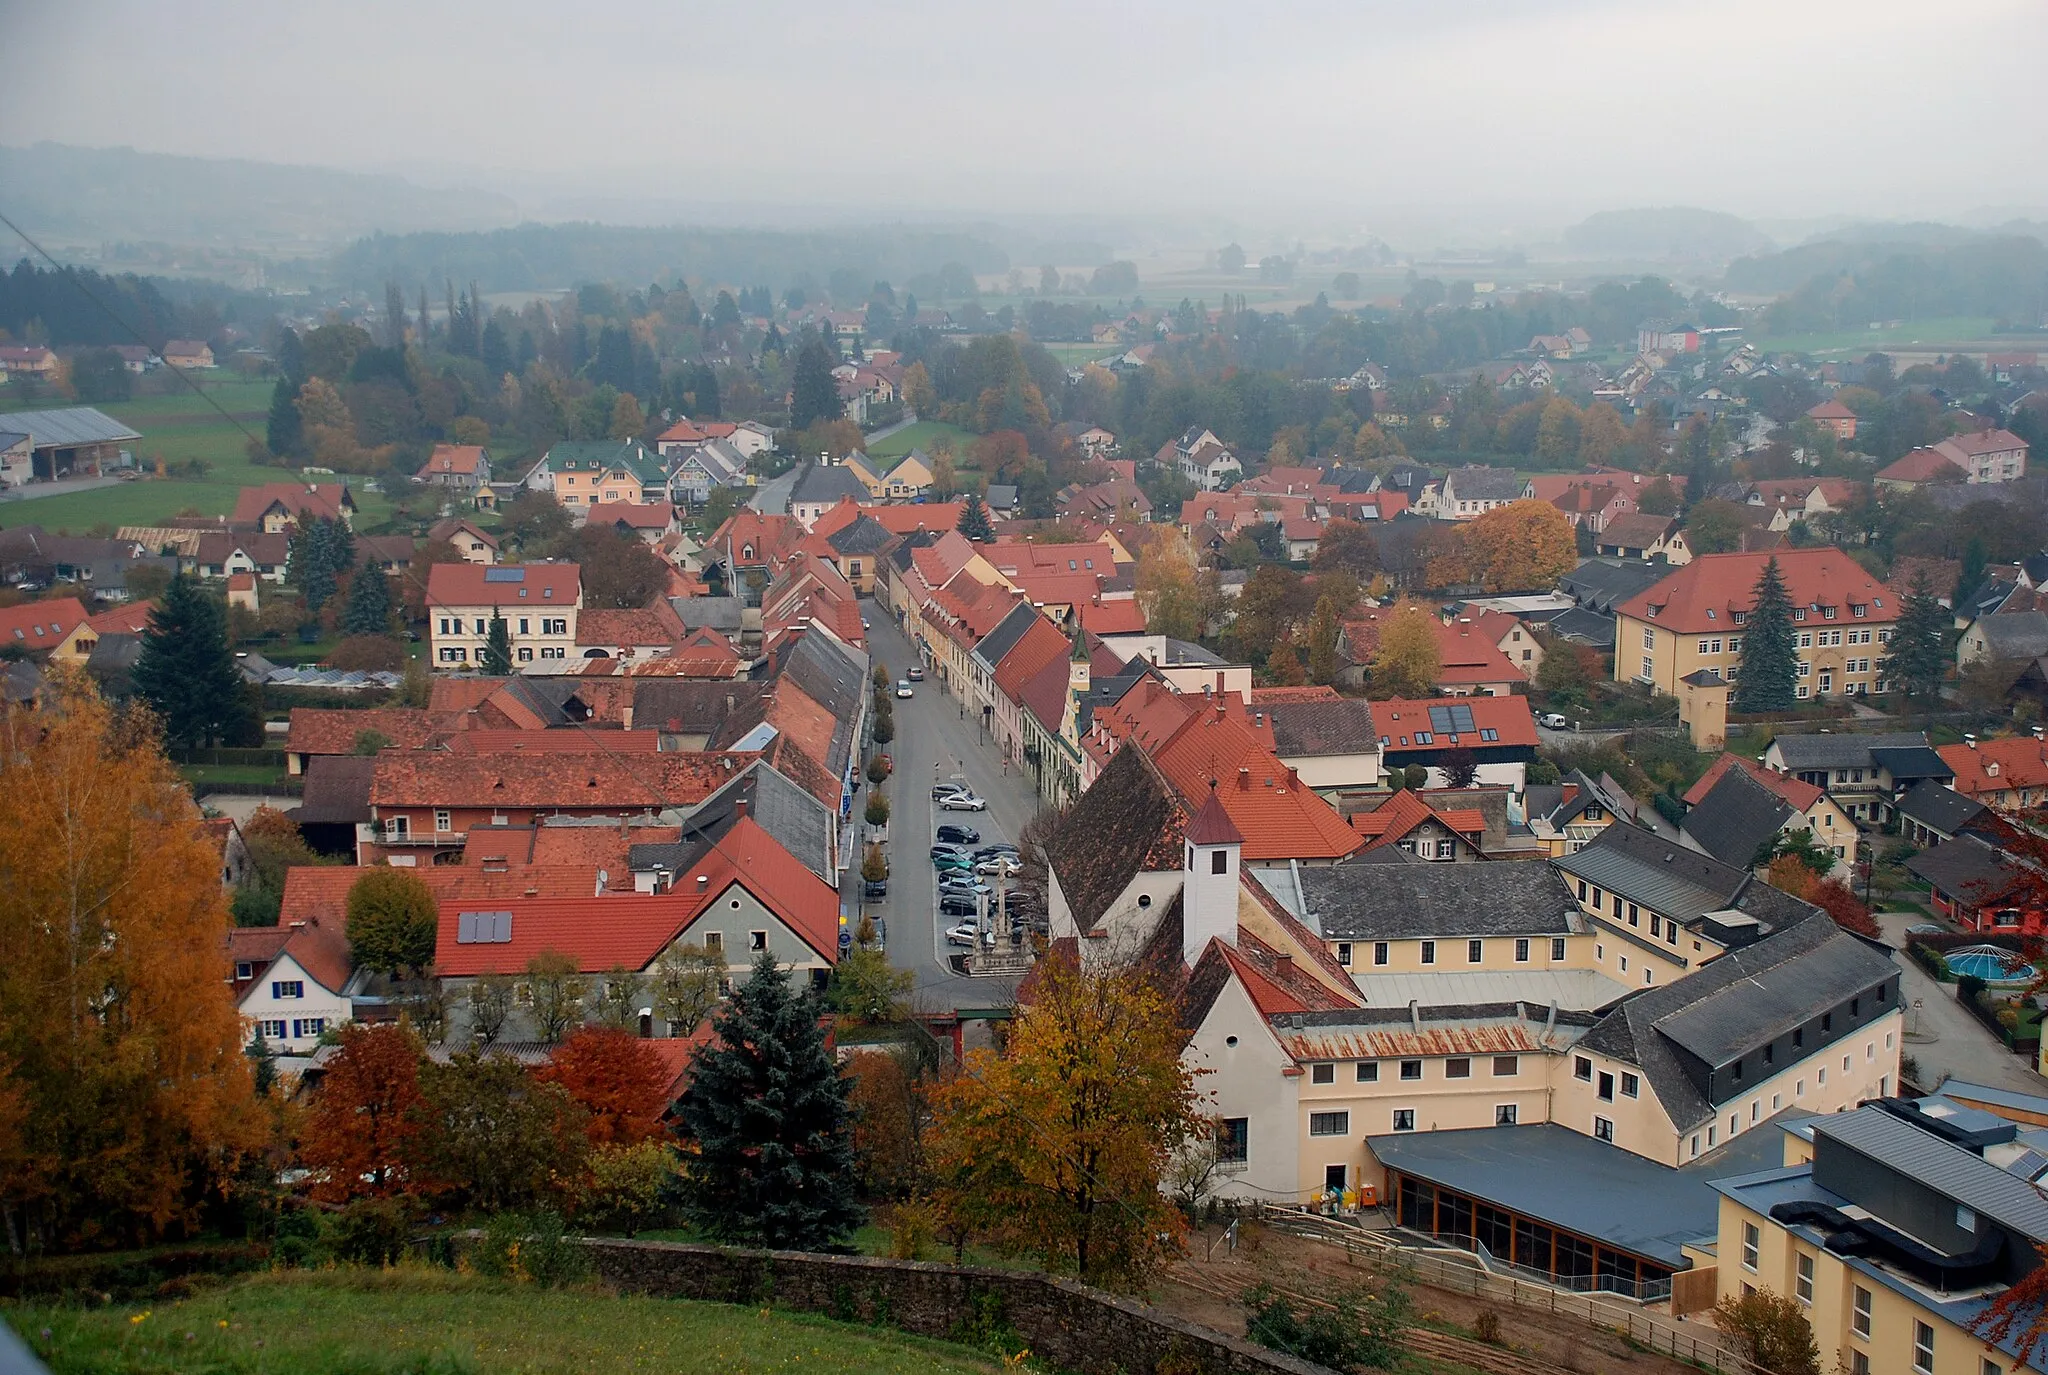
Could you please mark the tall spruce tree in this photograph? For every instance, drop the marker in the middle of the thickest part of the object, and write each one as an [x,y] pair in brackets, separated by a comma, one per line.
[369,603]
[1919,642]
[974,520]
[814,395]
[497,651]
[1770,661]
[186,671]
[767,1108]
[284,428]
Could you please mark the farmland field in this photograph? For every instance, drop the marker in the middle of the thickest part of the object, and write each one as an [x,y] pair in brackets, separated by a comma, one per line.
[922,435]
[1918,336]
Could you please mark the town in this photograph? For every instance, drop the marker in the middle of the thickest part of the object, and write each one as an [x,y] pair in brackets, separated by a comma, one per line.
[1258,802]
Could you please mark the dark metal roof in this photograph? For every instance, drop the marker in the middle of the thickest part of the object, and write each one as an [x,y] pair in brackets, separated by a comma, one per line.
[865,536]
[1555,1175]
[2015,635]
[1581,626]
[1943,1166]
[1662,875]
[1966,868]
[798,821]
[1736,817]
[719,613]
[1008,631]
[1911,761]
[1603,584]
[1404,902]
[1836,751]
[1939,808]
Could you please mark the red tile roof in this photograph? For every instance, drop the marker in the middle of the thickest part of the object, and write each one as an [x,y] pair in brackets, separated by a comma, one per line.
[2016,761]
[634,515]
[455,458]
[1921,465]
[319,947]
[1797,795]
[1830,410]
[1404,811]
[1704,596]
[320,892]
[1471,656]
[1279,816]
[535,586]
[682,432]
[40,625]
[1400,717]
[1211,824]
[1040,644]
[321,730]
[320,498]
[129,618]
[654,624]
[903,520]
[550,782]
[553,740]
[1120,616]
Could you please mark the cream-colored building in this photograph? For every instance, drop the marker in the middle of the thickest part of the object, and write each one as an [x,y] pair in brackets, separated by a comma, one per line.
[539,603]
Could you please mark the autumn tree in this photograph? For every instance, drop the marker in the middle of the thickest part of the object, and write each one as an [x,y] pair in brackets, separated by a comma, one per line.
[1520,547]
[1169,589]
[393,920]
[891,1119]
[1058,1144]
[554,994]
[618,997]
[1274,601]
[867,988]
[620,571]
[118,1026]
[1772,1331]
[1350,546]
[1283,665]
[1409,659]
[618,1080]
[767,1110]
[1601,433]
[1713,527]
[276,846]
[492,1137]
[360,1134]
[918,393]
[1322,641]
[685,986]
[491,997]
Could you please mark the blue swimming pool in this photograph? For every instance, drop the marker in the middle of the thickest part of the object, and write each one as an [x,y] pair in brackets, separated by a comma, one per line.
[1990,964]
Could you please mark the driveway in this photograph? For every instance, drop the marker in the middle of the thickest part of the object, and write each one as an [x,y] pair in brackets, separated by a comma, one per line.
[934,741]
[1947,1042]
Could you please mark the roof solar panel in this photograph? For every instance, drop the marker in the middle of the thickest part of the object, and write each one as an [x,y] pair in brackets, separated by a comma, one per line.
[504,575]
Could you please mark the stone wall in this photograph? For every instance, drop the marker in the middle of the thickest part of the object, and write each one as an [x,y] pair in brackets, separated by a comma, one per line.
[1065,1323]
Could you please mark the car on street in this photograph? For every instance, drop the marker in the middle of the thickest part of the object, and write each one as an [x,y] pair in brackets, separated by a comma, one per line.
[963,934]
[916,674]
[875,888]
[866,624]
[995,847]
[1552,720]
[944,864]
[904,689]
[962,802]
[941,791]
[959,835]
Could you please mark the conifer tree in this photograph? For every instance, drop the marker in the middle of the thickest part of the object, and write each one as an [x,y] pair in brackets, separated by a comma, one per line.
[1918,656]
[1769,654]
[187,672]
[814,394]
[974,523]
[369,603]
[767,1108]
[497,654]
[282,433]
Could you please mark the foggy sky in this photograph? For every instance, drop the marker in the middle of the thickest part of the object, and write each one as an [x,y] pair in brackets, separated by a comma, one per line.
[1249,109]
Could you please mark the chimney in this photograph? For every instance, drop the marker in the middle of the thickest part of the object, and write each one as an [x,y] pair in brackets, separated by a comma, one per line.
[1219,682]
[1293,778]
[298,926]
[739,808]
[1221,710]
[1283,965]
[703,882]
[1244,780]
[1970,740]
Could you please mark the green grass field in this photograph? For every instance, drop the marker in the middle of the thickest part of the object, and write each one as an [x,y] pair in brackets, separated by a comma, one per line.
[175,427]
[922,435]
[1956,332]
[420,1322]
[1074,355]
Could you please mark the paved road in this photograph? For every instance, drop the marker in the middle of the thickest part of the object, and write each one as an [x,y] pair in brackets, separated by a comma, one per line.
[930,730]
[33,491]
[1948,1042]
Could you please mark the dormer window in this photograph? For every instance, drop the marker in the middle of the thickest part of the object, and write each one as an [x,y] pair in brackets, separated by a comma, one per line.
[1858,610]
[1799,614]
[1741,617]
[1827,613]
[1653,612]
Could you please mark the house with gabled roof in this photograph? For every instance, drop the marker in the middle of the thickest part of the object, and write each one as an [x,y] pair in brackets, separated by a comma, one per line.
[291,981]
[1409,823]
[1808,805]
[274,507]
[1471,491]
[457,467]
[538,601]
[584,472]
[704,468]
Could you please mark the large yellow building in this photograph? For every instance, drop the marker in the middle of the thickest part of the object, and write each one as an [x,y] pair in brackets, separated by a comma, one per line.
[1842,621]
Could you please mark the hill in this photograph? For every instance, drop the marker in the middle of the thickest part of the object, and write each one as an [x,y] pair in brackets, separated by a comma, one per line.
[96,195]
[1840,284]
[427,1322]
[1677,231]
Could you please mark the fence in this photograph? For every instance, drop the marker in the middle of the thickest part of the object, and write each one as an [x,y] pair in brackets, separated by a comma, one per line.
[290,787]
[258,756]
[1464,1272]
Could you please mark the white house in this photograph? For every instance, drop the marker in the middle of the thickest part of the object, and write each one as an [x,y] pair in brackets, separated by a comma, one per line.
[291,982]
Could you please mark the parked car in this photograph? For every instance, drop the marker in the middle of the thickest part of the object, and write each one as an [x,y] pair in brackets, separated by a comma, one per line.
[1552,720]
[940,791]
[998,847]
[962,802]
[875,888]
[998,866]
[955,905]
[916,675]
[943,864]
[903,688]
[959,835]
[959,882]
[963,934]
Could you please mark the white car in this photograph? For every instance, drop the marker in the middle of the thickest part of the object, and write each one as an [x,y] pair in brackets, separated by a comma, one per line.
[998,868]
[963,934]
[1552,721]
[903,688]
[962,802]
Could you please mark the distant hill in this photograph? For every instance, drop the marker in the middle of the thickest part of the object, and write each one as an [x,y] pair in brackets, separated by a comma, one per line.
[95,195]
[1677,231]
[1836,284]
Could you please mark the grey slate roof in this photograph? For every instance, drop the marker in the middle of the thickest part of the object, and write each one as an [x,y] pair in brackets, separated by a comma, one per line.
[1009,630]
[718,613]
[820,482]
[1108,833]
[1584,627]
[865,536]
[2015,635]
[1736,817]
[1002,496]
[1554,1174]
[1966,867]
[337,789]
[835,677]
[1603,584]
[1449,901]
[1943,1166]
[1188,652]
[1912,761]
[691,706]
[1660,874]
[1476,482]
[1309,729]
[1939,808]
[799,822]
[1839,751]
[68,426]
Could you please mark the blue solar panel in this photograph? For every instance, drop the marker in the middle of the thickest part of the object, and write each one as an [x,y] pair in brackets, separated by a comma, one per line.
[1451,720]
[504,575]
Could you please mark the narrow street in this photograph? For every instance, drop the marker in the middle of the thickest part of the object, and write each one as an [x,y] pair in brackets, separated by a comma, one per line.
[1947,1042]
[935,742]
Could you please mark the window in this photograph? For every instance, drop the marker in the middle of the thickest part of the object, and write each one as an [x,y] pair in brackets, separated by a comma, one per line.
[1368,1071]
[1582,1068]
[1859,1363]
[714,940]
[1475,951]
[305,1028]
[1821,1076]
[1522,950]
[1859,1312]
[1802,1280]
[1329,1124]
[1604,1090]
[287,988]
[1966,1218]
[1381,953]
[1219,863]
[1429,952]
[1233,1140]
[442,820]
[1603,1130]
[1322,1074]
[244,970]
[1344,952]
[1649,666]
[1923,1348]
[1506,1066]
[1411,1069]
[1649,639]
[1752,1242]
[1404,1119]
[1557,947]
[757,940]
[271,1030]
[1504,1115]
[1631,1086]
[1458,1067]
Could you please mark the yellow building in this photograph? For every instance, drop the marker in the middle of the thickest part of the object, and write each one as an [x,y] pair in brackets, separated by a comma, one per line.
[1894,1227]
[1842,619]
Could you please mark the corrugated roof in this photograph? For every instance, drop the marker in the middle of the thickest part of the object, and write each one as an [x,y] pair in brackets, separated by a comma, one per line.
[1656,873]
[1941,1165]
[69,426]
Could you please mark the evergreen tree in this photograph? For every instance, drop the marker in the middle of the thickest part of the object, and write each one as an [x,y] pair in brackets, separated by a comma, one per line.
[1976,563]
[974,520]
[496,351]
[394,316]
[291,359]
[497,654]
[187,672]
[283,432]
[1919,649]
[767,1108]
[369,603]
[814,395]
[321,549]
[1769,657]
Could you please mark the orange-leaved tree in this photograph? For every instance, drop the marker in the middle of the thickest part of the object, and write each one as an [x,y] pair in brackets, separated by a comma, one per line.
[359,1139]
[1058,1144]
[135,1101]
[619,1080]
[1523,546]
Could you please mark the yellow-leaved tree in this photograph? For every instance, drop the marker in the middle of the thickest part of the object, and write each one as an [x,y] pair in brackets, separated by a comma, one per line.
[1409,658]
[119,1039]
[1524,546]
[1058,1144]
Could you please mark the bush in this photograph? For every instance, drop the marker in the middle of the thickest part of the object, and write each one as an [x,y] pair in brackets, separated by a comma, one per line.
[912,1226]
[371,1231]
[300,1241]
[530,1249]
[1969,988]
[627,1187]
[1356,1329]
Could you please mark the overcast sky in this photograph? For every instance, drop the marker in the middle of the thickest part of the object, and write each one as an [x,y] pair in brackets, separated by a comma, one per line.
[1768,108]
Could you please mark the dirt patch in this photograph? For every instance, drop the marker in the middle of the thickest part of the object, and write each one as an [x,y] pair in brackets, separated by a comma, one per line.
[1196,1290]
